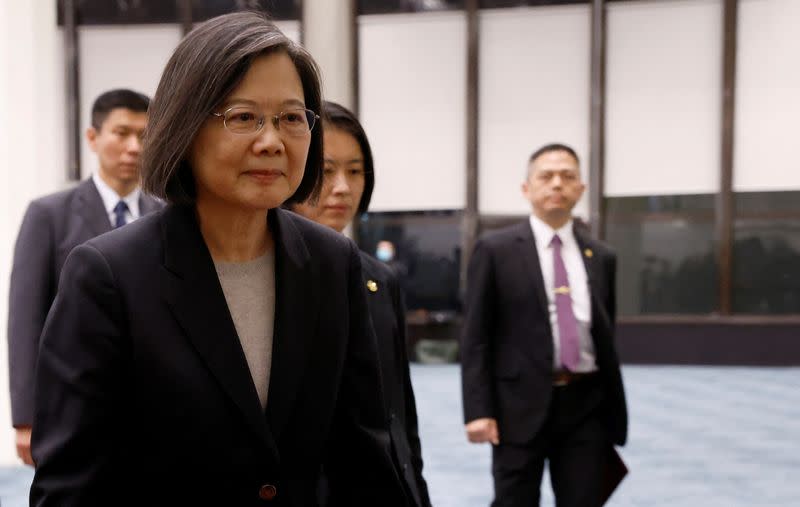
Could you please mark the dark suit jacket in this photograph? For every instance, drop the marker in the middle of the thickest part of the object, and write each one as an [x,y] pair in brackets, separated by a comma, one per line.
[507,344]
[52,227]
[387,311]
[144,396]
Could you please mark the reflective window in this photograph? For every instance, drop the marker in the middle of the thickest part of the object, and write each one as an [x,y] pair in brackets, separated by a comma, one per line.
[277,9]
[766,253]
[494,4]
[131,12]
[426,254]
[497,4]
[103,12]
[665,249]
[392,6]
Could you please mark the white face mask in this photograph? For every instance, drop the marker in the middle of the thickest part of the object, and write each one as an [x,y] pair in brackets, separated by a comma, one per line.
[384,254]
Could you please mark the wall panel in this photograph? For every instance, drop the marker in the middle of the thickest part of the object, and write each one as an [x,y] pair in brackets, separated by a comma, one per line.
[412,70]
[534,89]
[663,113]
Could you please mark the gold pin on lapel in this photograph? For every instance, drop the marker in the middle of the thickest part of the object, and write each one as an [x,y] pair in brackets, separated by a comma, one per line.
[588,253]
[372,286]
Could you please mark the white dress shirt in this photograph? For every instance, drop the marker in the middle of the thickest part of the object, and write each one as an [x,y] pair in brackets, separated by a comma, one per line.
[111,198]
[578,285]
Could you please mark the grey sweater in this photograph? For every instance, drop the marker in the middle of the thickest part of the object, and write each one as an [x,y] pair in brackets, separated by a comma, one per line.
[249,289]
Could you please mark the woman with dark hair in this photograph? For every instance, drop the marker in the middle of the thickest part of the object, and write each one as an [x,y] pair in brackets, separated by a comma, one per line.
[348,180]
[218,352]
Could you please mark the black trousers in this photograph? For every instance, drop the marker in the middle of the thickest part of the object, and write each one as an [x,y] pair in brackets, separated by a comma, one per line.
[574,441]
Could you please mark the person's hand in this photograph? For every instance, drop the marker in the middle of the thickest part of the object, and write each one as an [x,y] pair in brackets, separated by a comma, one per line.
[23,439]
[483,430]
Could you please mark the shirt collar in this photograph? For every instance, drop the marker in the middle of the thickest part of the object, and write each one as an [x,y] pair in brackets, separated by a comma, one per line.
[111,198]
[543,233]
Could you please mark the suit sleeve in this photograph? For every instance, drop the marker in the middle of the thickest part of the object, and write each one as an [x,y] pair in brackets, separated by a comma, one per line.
[78,427]
[476,349]
[411,422]
[31,291]
[359,463]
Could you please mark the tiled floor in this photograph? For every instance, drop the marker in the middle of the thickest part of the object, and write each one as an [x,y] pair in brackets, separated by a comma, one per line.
[699,437]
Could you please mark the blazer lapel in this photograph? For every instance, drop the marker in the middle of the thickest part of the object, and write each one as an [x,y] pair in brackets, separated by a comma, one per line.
[296,307]
[530,256]
[590,260]
[382,314]
[594,266]
[195,296]
[92,209]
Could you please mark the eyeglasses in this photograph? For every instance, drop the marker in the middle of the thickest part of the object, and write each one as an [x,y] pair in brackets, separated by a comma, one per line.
[249,120]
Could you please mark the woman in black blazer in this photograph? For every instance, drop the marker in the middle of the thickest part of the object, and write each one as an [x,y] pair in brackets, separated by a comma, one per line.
[165,377]
[348,180]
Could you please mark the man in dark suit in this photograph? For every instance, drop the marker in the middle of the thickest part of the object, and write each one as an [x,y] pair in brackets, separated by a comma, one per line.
[541,378]
[55,224]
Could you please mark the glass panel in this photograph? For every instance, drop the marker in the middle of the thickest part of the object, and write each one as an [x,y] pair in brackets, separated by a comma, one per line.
[428,254]
[389,6]
[427,98]
[131,12]
[392,6]
[665,248]
[662,91]
[277,9]
[767,102]
[103,12]
[766,253]
[496,4]
[543,110]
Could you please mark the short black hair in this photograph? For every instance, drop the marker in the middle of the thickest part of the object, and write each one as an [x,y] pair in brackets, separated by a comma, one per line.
[547,148]
[339,117]
[120,98]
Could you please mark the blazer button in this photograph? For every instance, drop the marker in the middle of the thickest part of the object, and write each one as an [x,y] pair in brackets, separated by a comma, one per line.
[267,492]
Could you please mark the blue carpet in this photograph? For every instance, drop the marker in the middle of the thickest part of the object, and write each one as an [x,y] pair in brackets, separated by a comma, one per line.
[699,437]
[14,485]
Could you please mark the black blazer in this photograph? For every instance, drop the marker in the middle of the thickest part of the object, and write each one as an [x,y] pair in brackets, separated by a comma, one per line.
[507,344]
[144,396]
[52,227]
[387,311]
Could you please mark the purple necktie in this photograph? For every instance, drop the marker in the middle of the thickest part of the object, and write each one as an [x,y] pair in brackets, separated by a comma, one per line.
[567,324]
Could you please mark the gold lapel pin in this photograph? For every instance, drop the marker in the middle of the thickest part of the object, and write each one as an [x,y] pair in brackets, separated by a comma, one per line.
[588,253]
[372,286]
